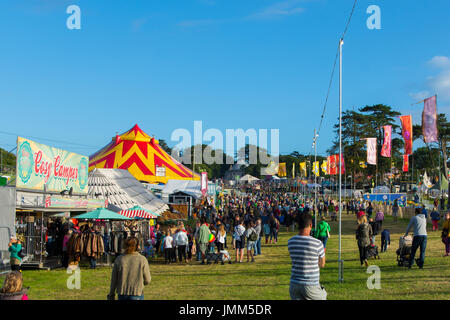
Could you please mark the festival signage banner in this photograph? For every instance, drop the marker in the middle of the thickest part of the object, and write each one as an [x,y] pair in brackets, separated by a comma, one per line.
[407,133]
[372,151]
[61,202]
[387,143]
[204,183]
[429,121]
[282,169]
[405,163]
[39,165]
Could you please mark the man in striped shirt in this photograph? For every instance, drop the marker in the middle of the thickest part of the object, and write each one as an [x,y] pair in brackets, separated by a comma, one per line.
[308,256]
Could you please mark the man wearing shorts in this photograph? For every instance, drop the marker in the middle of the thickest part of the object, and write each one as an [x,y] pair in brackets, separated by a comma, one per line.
[308,256]
[239,237]
[203,238]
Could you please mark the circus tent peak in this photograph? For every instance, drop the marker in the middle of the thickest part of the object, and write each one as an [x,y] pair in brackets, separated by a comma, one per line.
[141,155]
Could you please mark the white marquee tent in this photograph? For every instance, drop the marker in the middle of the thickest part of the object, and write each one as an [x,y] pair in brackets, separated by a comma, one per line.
[122,190]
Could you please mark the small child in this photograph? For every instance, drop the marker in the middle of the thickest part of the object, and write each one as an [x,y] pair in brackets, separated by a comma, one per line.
[12,287]
[435,217]
[385,240]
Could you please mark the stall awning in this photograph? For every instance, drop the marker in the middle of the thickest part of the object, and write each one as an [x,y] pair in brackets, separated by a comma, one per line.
[138,212]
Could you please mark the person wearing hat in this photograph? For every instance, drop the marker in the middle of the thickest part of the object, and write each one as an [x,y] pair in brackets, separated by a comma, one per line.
[14,248]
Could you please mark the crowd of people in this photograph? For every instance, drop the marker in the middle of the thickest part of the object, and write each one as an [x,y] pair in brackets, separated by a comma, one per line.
[244,220]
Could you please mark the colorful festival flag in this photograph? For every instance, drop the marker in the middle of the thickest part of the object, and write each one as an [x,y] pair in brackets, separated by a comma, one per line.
[316,168]
[407,133]
[303,168]
[325,167]
[372,151]
[429,121]
[332,164]
[204,183]
[342,163]
[212,238]
[387,143]
[282,169]
[362,164]
[405,163]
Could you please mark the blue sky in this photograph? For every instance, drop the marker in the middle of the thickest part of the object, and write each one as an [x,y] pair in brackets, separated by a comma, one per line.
[230,63]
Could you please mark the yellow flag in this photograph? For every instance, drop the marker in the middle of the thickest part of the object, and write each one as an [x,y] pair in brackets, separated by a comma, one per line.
[303,168]
[325,167]
[293,170]
[316,168]
[282,169]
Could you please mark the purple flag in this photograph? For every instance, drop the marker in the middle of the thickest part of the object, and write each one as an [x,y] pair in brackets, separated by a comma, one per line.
[429,121]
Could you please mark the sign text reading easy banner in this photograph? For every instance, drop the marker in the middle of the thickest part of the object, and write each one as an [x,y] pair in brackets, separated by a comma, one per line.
[39,165]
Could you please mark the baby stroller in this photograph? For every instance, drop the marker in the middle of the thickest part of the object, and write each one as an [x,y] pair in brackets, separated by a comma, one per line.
[372,251]
[221,257]
[404,251]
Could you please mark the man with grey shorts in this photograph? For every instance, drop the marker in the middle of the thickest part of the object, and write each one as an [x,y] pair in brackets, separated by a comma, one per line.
[308,256]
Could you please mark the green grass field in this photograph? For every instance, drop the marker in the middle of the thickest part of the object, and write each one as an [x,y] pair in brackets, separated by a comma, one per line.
[268,278]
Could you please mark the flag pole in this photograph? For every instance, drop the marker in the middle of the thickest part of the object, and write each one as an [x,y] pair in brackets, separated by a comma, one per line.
[315,180]
[341,263]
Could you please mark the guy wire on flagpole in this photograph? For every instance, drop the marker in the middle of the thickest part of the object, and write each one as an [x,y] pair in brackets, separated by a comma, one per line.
[338,54]
[341,43]
[340,262]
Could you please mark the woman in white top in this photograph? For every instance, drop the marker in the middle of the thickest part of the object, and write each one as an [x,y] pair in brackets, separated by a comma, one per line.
[221,236]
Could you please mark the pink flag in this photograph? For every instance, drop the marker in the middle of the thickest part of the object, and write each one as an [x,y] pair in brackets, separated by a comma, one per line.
[386,150]
[372,151]
[429,121]
[204,183]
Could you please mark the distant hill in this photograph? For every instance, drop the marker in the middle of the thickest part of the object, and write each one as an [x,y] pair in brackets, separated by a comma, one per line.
[8,162]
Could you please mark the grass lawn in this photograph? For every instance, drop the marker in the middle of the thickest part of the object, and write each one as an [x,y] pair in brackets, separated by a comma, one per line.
[268,278]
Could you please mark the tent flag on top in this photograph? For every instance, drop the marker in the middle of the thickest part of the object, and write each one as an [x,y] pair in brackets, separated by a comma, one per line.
[142,156]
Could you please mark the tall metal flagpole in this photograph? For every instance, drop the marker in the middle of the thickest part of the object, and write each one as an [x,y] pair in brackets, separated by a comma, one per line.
[341,263]
[315,181]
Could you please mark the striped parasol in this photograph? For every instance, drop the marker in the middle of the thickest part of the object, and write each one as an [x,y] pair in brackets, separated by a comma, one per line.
[138,212]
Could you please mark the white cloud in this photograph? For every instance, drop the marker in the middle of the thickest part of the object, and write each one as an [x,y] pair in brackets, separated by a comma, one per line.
[437,84]
[440,62]
[285,8]
[441,84]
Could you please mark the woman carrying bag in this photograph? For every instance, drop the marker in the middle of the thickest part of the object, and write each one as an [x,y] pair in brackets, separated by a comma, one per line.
[363,235]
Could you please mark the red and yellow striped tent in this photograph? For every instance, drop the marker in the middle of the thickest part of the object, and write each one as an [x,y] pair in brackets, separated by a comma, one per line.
[140,154]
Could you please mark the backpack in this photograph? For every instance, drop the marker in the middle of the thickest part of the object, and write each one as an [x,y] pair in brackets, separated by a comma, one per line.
[363,233]
[253,236]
